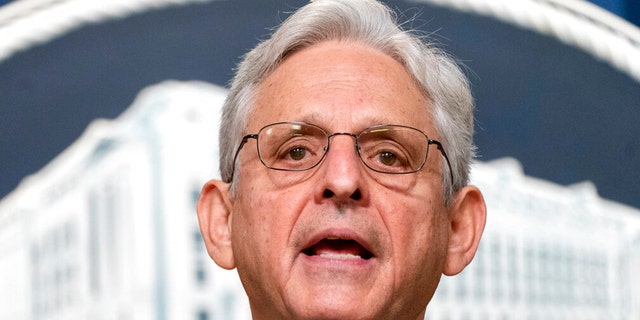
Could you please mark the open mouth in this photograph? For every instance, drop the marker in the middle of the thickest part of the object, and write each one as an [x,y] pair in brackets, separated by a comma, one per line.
[336,248]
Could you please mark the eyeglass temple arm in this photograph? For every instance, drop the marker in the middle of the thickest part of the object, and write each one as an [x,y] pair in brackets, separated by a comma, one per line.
[235,156]
[444,153]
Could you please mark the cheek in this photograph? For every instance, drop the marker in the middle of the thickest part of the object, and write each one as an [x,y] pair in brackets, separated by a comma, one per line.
[419,232]
[263,220]
[251,224]
[250,227]
[253,243]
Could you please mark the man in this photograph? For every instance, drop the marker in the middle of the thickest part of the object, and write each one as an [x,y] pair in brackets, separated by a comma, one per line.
[345,146]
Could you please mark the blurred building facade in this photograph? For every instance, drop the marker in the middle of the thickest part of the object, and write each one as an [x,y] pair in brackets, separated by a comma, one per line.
[548,252]
[108,230]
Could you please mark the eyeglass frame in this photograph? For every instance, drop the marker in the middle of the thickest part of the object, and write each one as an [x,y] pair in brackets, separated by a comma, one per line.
[255,136]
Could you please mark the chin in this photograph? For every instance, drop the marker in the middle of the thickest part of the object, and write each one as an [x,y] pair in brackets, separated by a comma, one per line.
[336,312]
[337,304]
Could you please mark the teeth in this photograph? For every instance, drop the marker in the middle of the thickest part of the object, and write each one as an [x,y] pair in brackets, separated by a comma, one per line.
[344,256]
[333,238]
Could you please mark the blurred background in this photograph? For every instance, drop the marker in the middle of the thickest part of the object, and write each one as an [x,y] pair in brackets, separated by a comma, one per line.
[566,114]
[109,128]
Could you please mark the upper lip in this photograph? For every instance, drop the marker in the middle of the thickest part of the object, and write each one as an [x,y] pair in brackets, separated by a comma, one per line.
[339,234]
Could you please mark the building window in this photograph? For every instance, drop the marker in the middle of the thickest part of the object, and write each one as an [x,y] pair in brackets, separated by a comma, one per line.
[480,274]
[530,273]
[497,272]
[201,273]
[228,305]
[461,287]
[52,260]
[199,260]
[202,315]
[94,243]
[512,271]
[198,242]
[195,195]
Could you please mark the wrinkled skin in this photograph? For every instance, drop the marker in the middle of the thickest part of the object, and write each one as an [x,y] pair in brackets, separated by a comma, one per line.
[340,241]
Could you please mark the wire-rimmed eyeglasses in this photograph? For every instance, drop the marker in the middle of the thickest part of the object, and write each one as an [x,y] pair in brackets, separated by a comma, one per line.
[299,146]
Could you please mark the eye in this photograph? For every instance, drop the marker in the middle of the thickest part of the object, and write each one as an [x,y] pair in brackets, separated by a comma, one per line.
[297,153]
[387,158]
[291,146]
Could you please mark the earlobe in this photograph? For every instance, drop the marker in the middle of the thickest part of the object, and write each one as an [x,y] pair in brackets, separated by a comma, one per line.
[467,218]
[214,216]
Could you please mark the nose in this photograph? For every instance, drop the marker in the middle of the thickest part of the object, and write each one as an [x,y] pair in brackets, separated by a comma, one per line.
[342,171]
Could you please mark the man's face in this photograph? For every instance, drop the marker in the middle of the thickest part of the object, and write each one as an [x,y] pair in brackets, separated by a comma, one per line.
[339,240]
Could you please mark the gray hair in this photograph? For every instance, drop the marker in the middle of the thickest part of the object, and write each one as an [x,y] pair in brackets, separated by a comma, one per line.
[374,24]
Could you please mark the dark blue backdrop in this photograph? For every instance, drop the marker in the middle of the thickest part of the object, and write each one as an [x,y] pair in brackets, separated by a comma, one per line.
[565,115]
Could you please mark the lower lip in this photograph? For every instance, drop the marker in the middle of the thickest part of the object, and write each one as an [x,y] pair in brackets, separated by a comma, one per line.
[337,260]
[336,271]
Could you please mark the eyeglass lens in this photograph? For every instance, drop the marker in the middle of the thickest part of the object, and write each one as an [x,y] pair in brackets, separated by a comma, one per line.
[299,146]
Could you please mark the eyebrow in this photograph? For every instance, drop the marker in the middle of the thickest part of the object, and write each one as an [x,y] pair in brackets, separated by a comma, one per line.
[312,118]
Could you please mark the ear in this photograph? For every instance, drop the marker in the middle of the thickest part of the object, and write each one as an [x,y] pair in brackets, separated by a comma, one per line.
[467,217]
[214,216]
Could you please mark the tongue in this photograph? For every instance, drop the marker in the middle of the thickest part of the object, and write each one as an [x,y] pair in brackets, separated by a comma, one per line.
[339,249]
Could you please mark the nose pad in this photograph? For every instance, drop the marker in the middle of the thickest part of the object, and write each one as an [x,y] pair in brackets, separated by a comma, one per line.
[332,137]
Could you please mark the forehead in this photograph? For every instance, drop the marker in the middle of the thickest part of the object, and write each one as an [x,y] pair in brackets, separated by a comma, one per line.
[341,86]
